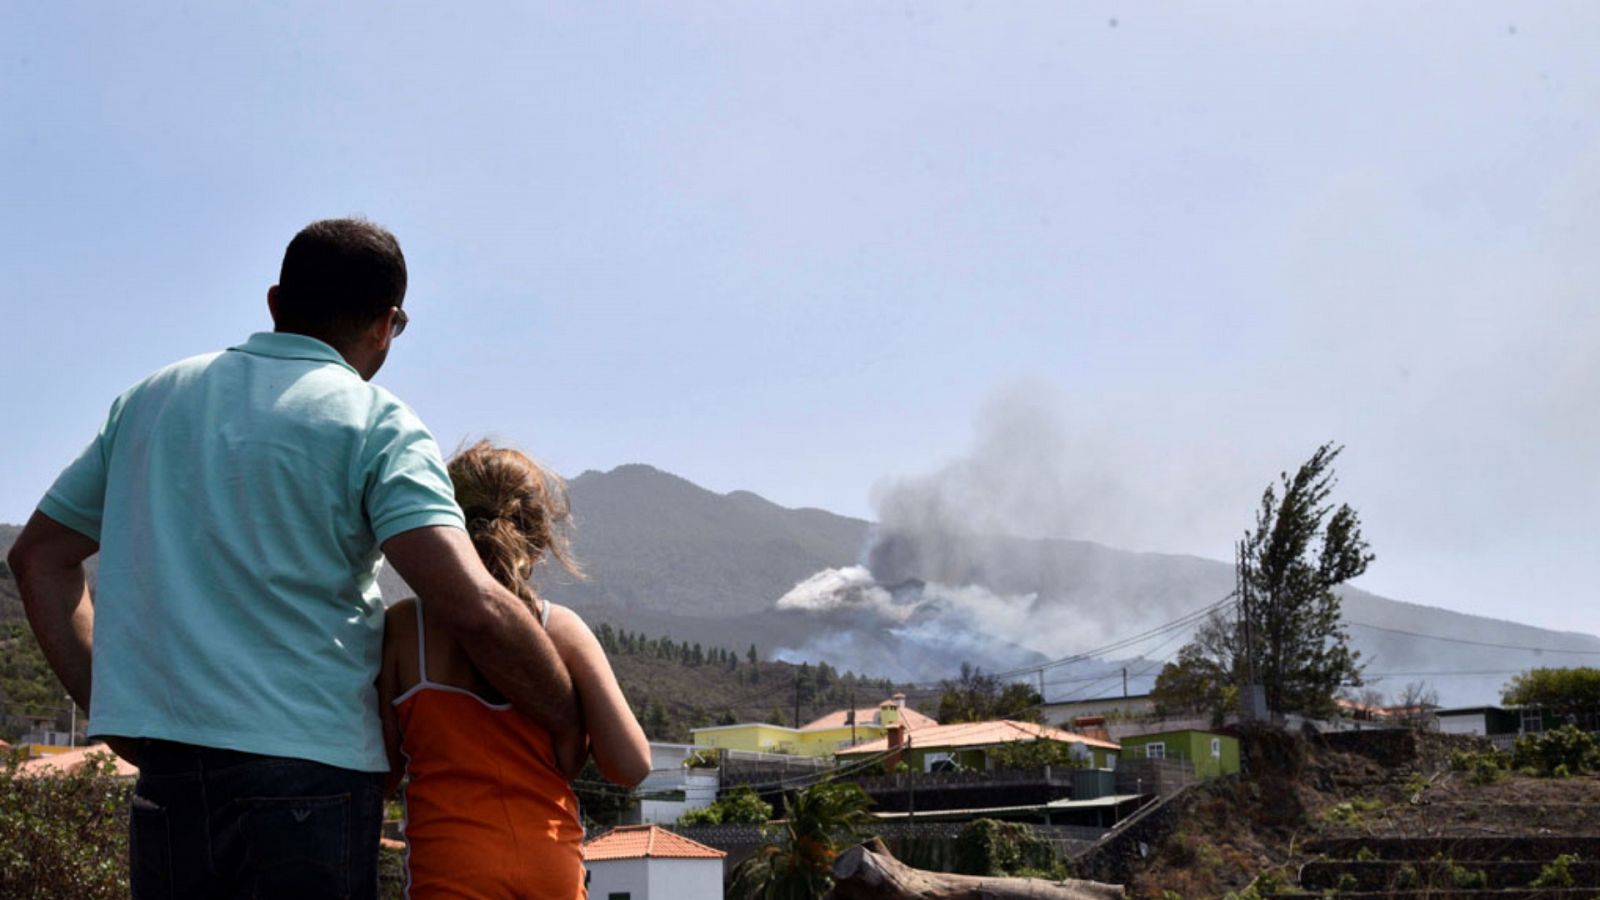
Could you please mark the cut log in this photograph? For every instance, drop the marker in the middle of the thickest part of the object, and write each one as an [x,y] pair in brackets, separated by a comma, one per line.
[870,872]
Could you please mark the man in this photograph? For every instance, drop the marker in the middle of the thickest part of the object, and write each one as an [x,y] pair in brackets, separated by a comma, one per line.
[239,501]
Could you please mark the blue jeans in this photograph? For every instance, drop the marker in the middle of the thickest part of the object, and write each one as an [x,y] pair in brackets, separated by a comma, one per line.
[210,823]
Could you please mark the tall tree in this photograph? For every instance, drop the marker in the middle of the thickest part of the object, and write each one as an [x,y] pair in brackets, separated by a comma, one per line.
[1300,549]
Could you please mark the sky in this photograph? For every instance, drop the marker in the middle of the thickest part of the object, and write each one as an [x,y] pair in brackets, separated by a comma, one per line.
[813,249]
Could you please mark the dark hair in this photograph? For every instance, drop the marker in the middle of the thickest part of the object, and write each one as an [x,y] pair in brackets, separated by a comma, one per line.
[338,276]
[516,511]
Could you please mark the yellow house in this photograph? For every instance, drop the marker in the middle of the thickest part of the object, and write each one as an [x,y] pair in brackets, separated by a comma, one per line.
[838,730]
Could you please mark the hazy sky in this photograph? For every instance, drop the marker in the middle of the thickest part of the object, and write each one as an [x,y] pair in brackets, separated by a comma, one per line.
[801,249]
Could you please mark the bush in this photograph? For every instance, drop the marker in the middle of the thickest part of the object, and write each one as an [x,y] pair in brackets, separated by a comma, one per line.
[1352,813]
[64,836]
[1557,873]
[988,847]
[1486,767]
[740,806]
[1567,746]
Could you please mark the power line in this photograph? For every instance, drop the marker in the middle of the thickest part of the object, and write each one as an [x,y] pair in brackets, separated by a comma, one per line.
[1452,640]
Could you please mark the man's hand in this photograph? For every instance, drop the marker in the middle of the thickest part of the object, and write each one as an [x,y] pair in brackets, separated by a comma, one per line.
[497,630]
[47,560]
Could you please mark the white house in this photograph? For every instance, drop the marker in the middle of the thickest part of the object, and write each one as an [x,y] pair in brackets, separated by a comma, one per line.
[672,788]
[648,862]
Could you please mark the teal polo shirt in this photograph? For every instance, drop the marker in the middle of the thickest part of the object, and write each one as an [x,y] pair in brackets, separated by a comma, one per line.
[239,499]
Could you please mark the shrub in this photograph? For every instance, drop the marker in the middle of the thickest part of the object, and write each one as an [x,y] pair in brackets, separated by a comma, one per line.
[1352,813]
[988,847]
[64,836]
[1557,873]
[1484,767]
[1464,878]
[740,806]
[1567,746]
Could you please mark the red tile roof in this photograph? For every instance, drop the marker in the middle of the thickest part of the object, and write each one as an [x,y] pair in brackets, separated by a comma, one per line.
[71,761]
[864,716]
[982,734]
[645,842]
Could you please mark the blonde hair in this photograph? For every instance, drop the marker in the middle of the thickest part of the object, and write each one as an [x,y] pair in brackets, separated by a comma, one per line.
[517,513]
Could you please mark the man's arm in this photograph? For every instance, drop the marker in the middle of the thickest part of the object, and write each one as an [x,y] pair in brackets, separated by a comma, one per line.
[47,560]
[493,625]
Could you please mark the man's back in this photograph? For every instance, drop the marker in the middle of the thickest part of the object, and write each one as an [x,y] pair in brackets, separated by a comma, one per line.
[244,495]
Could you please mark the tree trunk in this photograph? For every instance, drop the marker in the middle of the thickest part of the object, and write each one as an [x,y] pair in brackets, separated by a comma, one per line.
[869,872]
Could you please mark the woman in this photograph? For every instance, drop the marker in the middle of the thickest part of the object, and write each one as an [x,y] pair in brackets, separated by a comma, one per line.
[489,811]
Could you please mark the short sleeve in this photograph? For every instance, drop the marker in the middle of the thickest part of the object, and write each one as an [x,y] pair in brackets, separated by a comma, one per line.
[405,485]
[78,497]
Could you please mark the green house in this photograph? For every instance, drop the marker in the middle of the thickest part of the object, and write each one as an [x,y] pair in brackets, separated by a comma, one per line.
[1210,753]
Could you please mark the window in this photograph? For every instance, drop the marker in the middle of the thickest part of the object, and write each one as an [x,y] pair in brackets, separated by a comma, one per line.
[1532,721]
[619,895]
[938,762]
[1216,748]
[1155,751]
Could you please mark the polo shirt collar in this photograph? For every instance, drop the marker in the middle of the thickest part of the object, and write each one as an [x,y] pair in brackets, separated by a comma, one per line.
[292,346]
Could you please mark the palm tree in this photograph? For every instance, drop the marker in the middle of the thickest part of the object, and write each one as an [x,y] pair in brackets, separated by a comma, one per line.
[817,823]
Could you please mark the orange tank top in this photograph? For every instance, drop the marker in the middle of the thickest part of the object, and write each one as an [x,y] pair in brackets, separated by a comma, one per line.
[488,814]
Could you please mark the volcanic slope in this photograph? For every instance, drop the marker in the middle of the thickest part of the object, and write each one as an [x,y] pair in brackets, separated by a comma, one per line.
[666,556]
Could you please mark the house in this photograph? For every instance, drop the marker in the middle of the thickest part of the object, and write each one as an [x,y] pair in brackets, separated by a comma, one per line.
[820,737]
[673,786]
[1484,721]
[1111,708]
[966,745]
[1211,754]
[648,862]
[1498,722]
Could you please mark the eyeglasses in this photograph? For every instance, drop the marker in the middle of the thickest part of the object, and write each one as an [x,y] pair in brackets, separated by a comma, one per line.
[401,320]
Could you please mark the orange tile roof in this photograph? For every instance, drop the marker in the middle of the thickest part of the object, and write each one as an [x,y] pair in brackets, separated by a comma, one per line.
[864,716]
[982,734]
[645,842]
[72,761]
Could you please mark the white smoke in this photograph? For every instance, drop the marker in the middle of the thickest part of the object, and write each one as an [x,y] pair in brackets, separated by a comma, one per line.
[850,589]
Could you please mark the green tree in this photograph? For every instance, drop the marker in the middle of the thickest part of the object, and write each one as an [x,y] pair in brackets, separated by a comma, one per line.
[655,721]
[818,822]
[1569,693]
[1204,677]
[979,697]
[1300,549]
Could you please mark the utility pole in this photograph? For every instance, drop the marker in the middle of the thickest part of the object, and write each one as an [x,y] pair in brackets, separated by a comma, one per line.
[72,729]
[1041,684]
[852,718]
[797,698]
[1124,682]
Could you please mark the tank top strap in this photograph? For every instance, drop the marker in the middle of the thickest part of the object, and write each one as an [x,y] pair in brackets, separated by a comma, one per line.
[422,647]
[544,614]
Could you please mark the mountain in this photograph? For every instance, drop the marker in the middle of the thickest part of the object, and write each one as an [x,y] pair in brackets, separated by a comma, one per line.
[667,557]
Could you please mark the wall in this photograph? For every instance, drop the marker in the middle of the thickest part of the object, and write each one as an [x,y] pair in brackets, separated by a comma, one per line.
[619,876]
[682,879]
[749,737]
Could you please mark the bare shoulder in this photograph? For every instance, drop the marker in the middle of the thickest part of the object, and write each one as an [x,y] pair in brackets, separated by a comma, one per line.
[569,632]
[564,623]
